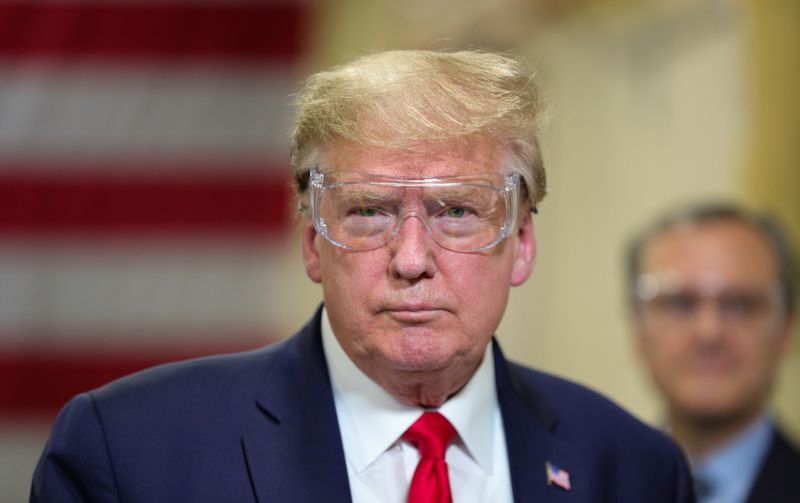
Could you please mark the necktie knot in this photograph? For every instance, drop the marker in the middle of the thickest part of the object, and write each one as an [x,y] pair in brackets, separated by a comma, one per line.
[431,434]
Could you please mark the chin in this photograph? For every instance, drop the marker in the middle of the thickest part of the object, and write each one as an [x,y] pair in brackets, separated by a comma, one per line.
[713,408]
[421,358]
[716,417]
[423,348]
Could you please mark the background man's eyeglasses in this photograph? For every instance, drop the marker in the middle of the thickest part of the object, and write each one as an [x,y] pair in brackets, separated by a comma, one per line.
[736,309]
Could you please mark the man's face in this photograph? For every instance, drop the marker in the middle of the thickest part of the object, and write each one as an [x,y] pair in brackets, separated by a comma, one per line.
[711,326]
[411,305]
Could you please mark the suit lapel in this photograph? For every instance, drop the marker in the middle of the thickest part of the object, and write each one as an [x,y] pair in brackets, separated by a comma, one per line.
[529,423]
[294,449]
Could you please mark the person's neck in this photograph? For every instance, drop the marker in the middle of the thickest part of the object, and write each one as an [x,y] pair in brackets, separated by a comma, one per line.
[429,389]
[702,436]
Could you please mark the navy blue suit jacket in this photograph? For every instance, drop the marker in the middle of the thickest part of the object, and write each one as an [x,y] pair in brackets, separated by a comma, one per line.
[261,426]
[778,480]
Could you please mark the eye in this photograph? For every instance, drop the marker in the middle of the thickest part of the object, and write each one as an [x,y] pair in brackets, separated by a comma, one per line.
[364,212]
[743,305]
[677,304]
[456,212]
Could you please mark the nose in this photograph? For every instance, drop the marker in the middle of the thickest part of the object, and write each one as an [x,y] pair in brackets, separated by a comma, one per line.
[412,250]
[709,326]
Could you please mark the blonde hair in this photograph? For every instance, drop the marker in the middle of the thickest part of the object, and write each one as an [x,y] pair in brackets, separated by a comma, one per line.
[395,99]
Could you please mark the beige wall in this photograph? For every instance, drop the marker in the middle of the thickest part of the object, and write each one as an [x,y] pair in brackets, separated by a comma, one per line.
[653,103]
[772,171]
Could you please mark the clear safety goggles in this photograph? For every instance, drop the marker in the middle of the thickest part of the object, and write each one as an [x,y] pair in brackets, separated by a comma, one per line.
[461,213]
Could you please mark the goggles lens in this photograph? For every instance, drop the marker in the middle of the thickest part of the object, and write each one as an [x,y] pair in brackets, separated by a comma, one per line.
[461,214]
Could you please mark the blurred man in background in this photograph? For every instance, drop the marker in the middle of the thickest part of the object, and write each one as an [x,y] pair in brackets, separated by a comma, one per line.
[713,293]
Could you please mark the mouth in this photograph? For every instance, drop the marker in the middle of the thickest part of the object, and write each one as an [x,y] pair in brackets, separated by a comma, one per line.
[712,367]
[414,313]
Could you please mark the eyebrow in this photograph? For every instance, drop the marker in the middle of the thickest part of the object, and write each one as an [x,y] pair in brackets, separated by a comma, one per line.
[461,192]
[365,196]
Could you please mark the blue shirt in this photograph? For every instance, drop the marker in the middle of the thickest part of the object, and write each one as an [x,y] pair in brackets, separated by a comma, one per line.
[731,470]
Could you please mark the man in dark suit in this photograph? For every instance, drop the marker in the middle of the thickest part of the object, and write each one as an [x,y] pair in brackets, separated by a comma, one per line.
[713,291]
[417,173]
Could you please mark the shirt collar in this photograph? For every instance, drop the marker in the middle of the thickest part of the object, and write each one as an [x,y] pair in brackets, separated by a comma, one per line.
[371,420]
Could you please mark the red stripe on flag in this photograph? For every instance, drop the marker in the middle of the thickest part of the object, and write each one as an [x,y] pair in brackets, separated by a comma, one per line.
[254,203]
[229,30]
[39,382]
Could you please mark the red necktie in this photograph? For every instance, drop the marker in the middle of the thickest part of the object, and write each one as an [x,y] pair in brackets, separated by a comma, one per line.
[431,434]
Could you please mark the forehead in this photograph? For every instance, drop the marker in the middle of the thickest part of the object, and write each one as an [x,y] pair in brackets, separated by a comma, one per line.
[476,155]
[725,253]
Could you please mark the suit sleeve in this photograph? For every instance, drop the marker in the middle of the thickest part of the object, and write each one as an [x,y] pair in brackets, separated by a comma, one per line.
[75,465]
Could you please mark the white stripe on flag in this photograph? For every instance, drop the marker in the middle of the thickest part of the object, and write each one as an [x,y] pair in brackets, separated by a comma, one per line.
[142,291]
[58,115]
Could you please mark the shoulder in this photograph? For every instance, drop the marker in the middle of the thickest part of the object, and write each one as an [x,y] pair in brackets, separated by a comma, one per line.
[199,379]
[155,424]
[584,416]
[210,392]
[784,450]
[576,405]
[778,480]
[216,385]
[172,403]
[103,439]
[604,447]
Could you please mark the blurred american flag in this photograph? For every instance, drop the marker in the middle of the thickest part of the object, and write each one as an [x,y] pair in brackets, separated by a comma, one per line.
[144,200]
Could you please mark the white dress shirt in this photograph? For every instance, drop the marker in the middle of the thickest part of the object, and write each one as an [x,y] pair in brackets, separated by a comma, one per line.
[380,464]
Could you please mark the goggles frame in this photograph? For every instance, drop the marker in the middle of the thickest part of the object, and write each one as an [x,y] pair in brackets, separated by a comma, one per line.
[509,191]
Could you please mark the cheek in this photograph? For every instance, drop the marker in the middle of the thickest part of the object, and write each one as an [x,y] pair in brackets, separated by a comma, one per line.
[665,353]
[758,359]
[476,277]
[483,272]
[350,277]
[337,263]
[481,288]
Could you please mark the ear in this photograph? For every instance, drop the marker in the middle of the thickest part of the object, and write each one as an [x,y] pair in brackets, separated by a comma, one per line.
[311,257]
[526,250]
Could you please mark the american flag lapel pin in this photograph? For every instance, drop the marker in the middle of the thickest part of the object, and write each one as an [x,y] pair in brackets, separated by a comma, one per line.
[557,476]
